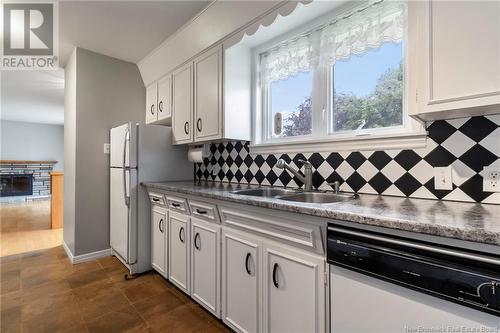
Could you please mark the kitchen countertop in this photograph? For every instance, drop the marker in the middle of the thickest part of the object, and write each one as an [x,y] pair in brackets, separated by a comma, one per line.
[465,221]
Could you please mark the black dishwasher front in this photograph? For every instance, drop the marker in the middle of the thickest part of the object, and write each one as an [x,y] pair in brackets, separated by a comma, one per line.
[468,278]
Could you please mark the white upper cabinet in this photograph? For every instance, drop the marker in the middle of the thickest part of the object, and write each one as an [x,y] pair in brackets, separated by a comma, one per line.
[182,104]
[454,58]
[151,101]
[208,95]
[165,99]
[198,108]
[159,101]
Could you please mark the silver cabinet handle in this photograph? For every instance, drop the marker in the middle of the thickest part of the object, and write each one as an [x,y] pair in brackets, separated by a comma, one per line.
[127,139]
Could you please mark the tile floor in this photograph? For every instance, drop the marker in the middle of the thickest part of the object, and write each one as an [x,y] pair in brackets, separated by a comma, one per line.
[43,292]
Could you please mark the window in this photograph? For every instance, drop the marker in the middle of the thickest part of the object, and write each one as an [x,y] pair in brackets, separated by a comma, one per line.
[344,79]
[290,106]
[368,90]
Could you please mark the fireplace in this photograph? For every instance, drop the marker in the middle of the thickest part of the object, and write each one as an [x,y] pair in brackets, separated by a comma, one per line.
[16,184]
[25,178]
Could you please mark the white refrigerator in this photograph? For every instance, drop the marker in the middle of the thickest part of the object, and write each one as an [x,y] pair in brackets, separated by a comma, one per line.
[139,153]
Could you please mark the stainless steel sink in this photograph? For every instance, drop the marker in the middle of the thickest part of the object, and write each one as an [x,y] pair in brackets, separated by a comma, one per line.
[318,197]
[296,195]
[265,192]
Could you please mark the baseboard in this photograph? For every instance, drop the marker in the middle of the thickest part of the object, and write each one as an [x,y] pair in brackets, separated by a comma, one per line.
[68,251]
[85,257]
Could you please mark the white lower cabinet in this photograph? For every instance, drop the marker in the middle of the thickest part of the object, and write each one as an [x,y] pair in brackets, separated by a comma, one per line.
[271,288]
[159,239]
[253,282]
[205,264]
[294,291]
[240,281]
[178,250]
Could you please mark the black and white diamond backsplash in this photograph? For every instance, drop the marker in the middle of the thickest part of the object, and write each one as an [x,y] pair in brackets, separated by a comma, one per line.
[467,144]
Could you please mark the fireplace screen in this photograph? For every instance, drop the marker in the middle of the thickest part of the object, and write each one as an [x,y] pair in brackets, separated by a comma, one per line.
[13,185]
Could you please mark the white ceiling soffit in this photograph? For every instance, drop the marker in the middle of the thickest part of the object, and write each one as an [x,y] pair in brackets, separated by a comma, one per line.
[33,96]
[127,30]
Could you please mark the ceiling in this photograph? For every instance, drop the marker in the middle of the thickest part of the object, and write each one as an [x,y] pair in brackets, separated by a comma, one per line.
[33,96]
[127,30]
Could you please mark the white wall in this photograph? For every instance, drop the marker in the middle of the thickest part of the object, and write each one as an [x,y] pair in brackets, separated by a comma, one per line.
[108,92]
[30,141]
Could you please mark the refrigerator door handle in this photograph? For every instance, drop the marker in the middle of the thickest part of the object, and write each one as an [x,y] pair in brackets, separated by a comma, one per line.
[126,168]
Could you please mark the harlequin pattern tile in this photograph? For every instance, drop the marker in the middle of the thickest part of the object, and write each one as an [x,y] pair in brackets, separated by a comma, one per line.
[467,145]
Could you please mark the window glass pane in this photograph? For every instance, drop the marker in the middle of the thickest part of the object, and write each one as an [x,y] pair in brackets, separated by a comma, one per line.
[368,89]
[291,99]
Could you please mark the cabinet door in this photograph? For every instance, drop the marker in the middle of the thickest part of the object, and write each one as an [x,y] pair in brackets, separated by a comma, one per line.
[205,264]
[182,104]
[151,101]
[178,250]
[208,95]
[241,292]
[294,291]
[164,98]
[158,239]
[457,64]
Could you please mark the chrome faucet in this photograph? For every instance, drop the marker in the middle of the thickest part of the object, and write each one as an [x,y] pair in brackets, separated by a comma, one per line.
[306,178]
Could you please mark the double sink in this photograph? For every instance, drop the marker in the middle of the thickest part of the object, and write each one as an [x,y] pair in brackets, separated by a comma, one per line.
[296,195]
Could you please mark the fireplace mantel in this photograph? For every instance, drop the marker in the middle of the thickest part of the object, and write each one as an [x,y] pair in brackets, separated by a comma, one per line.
[26,162]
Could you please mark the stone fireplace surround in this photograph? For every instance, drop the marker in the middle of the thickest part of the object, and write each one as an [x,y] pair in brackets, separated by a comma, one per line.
[39,169]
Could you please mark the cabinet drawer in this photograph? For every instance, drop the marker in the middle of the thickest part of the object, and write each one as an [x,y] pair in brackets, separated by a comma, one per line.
[285,228]
[157,198]
[178,204]
[204,211]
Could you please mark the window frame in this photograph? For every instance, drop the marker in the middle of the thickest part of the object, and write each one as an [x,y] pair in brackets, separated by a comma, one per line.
[323,138]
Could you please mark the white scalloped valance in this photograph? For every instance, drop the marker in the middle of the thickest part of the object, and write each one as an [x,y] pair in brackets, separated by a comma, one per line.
[364,28]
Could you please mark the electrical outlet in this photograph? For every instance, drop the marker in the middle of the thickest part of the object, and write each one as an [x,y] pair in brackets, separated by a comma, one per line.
[107,148]
[443,179]
[491,179]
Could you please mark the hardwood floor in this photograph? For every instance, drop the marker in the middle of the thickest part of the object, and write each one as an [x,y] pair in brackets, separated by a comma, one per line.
[25,227]
[43,292]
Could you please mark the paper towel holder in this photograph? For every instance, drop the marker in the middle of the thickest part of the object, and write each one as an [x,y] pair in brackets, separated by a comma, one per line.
[204,147]
[197,153]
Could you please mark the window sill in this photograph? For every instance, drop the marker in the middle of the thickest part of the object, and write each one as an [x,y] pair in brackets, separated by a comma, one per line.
[385,142]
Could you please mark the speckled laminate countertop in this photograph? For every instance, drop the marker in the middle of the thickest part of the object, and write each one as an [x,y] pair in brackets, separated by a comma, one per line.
[465,221]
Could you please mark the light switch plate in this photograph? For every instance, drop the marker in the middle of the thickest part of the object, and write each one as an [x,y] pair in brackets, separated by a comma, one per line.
[442,178]
[107,148]
[491,179]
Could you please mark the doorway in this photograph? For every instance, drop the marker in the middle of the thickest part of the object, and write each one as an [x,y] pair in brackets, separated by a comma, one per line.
[31,161]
